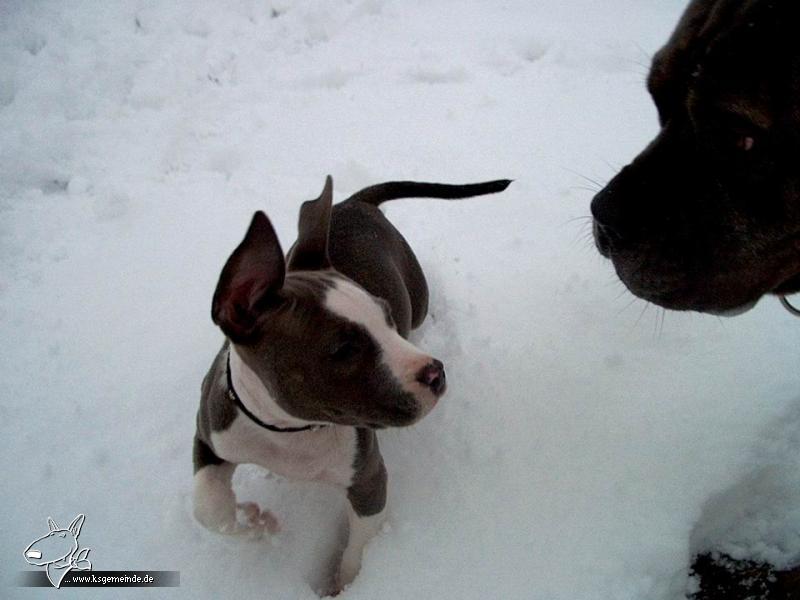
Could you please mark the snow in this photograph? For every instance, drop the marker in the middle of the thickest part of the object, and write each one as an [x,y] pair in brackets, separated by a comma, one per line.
[587,446]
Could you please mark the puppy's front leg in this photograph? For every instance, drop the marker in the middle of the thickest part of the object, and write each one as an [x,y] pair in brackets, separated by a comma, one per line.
[215,502]
[366,511]
[362,529]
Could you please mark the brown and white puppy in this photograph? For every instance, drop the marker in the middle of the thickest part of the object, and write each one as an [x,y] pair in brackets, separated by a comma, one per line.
[316,359]
[707,217]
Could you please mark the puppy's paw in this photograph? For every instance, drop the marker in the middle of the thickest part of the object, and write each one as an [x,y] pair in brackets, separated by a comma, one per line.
[331,590]
[335,581]
[343,578]
[215,505]
[257,519]
[249,521]
[341,581]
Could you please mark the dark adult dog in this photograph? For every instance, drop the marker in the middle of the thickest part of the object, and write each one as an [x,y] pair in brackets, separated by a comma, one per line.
[707,217]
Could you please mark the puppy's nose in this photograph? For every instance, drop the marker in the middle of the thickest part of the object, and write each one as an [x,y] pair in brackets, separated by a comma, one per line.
[432,375]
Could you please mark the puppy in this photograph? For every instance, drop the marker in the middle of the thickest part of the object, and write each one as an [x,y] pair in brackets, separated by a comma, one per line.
[316,359]
[707,217]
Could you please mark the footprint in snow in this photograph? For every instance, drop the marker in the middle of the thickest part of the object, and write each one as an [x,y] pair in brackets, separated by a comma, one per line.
[434,75]
[110,208]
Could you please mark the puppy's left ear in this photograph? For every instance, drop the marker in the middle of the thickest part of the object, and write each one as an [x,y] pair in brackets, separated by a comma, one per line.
[250,281]
[310,253]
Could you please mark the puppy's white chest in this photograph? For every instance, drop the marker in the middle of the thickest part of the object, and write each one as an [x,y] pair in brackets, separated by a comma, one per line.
[325,454]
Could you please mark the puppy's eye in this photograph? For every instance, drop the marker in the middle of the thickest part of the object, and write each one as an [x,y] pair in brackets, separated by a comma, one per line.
[344,350]
[62,534]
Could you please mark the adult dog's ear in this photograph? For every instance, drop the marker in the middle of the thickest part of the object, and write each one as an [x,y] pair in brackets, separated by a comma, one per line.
[674,64]
[310,253]
[253,274]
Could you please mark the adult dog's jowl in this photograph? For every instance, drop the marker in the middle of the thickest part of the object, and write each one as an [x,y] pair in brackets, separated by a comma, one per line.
[707,217]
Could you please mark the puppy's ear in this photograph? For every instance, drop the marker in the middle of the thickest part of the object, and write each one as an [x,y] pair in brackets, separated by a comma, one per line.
[253,274]
[311,251]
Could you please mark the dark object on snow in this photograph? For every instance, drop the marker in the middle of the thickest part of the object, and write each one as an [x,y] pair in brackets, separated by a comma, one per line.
[721,577]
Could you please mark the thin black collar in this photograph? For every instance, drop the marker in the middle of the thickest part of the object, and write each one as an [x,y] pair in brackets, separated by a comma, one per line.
[235,397]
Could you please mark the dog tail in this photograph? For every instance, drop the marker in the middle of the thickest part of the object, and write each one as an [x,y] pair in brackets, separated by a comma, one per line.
[392,190]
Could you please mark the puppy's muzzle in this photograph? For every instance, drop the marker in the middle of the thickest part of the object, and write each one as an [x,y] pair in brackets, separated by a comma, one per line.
[433,377]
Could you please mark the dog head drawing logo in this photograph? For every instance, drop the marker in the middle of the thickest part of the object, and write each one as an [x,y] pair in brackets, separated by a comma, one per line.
[57,551]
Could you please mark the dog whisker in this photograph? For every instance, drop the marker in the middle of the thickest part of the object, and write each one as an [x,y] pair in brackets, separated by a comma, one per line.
[641,315]
[621,294]
[615,167]
[645,67]
[630,303]
[583,218]
[586,178]
[585,188]
[648,56]
[585,234]
[658,323]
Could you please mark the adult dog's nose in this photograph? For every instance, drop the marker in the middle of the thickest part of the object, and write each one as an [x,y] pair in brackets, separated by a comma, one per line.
[613,221]
[626,209]
[432,375]
[606,212]
[602,238]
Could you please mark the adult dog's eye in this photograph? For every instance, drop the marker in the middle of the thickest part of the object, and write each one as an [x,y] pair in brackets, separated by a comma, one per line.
[745,143]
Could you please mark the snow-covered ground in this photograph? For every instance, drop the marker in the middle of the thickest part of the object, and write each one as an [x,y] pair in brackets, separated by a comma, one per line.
[588,445]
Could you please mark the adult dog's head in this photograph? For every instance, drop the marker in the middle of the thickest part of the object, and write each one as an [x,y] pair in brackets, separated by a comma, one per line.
[707,217]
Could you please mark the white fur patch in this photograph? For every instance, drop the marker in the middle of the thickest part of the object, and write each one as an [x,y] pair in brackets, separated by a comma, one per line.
[362,530]
[214,500]
[324,455]
[403,359]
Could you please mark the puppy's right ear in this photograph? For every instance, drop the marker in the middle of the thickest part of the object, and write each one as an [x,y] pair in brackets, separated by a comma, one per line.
[254,273]
[311,251]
